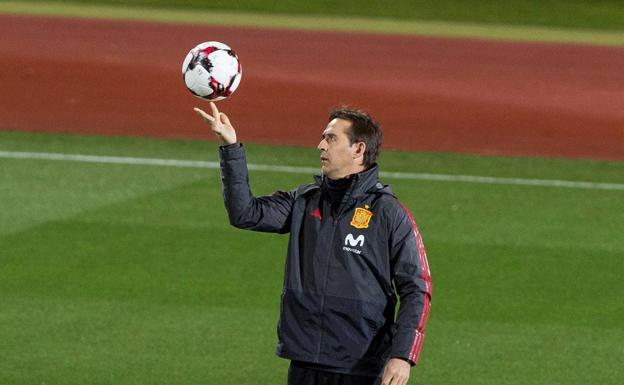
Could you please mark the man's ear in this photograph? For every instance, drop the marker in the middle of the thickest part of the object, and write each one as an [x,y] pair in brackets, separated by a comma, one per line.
[360,148]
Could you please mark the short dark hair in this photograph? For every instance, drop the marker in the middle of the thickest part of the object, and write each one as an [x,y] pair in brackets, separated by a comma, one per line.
[363,129]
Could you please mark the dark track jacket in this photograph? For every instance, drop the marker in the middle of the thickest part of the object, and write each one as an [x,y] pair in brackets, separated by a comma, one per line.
[342,273]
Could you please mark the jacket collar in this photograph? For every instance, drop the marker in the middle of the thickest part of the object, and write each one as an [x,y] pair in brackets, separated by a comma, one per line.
[363,182]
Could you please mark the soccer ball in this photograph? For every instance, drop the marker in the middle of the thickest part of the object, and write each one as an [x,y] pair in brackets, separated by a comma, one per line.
[211,71]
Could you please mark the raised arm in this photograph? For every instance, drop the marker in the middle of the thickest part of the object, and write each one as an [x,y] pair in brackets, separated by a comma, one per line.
[268,213]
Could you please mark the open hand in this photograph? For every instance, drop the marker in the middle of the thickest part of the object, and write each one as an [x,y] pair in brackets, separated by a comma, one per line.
[219,124]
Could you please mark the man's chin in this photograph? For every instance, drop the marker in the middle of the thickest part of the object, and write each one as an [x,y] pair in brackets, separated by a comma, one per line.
[329,174]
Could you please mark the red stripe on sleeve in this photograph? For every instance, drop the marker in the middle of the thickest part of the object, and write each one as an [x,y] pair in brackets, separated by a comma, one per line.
[425,275]
[420,332]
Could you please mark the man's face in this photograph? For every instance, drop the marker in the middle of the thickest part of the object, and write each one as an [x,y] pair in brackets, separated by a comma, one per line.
[339,158]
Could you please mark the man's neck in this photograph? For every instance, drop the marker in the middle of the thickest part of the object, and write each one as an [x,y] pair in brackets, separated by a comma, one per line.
[349,173]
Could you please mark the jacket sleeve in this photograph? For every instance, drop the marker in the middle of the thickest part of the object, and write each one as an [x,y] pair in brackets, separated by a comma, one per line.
[412,280]
[268,213]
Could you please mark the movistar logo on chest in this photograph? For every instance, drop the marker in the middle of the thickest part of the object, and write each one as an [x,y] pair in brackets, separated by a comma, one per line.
[351,241]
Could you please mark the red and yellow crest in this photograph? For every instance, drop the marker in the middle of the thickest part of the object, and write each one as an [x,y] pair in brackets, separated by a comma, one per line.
[361,218]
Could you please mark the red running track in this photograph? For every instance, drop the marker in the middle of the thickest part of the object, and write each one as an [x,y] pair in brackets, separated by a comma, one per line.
[431,94]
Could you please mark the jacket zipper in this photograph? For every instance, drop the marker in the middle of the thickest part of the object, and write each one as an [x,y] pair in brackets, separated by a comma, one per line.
[324,288]
[335,221]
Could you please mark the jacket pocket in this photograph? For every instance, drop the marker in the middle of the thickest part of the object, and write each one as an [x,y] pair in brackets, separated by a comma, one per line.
[298,324]
[350,327]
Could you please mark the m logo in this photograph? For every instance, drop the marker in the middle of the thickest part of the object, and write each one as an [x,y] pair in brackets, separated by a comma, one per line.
[359,241]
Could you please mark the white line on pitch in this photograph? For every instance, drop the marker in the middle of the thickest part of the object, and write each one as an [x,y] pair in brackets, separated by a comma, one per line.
[311,170]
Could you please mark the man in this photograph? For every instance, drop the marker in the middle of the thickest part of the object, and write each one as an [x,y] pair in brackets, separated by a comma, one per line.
[353,247]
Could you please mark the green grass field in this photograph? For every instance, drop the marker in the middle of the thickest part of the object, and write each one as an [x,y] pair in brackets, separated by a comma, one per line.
[130,274]
[296,15]
[596,14]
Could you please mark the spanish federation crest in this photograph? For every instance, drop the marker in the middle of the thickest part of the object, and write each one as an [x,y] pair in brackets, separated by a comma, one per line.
[361,218]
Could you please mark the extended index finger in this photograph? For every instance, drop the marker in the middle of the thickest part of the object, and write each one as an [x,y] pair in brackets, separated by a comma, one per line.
[215,110]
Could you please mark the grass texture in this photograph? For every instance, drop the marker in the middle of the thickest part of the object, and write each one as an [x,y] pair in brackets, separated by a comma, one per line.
[597,14]
[347,21]
[130,274]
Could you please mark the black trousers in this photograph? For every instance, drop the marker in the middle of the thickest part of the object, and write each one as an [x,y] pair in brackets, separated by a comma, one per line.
[298,375]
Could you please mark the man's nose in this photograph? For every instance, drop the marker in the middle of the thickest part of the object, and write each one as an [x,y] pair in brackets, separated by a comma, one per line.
[321,146]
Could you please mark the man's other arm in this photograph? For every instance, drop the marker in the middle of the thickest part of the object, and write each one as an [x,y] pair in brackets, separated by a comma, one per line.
[412,279]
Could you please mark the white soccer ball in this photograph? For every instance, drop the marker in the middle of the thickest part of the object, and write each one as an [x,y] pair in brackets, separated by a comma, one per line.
[211,71]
